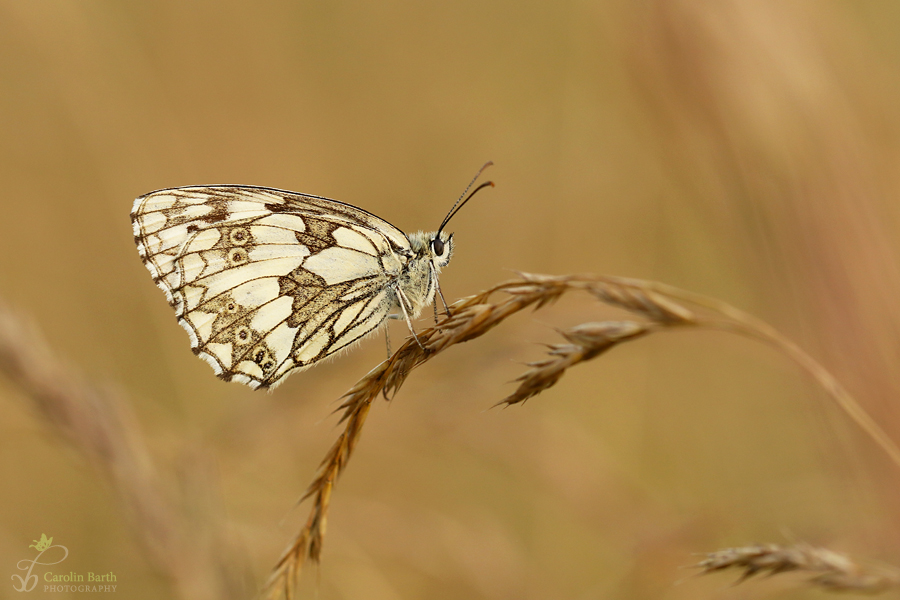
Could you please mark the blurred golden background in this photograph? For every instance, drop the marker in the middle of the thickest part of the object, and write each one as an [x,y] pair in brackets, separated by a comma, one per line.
[745,150]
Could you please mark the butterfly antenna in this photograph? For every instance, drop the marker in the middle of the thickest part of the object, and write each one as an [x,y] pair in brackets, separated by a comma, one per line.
[459,203]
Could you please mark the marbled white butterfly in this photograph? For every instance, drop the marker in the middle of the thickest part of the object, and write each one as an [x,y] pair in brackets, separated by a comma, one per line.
[267,282]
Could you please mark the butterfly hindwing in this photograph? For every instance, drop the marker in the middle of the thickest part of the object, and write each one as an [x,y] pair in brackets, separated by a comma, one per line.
[267,281]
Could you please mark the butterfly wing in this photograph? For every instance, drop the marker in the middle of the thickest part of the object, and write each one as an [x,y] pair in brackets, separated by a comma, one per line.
[267,281]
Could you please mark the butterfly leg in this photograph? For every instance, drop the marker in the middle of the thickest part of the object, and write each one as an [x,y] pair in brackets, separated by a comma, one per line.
[402,301]
[441,294]
[387,333]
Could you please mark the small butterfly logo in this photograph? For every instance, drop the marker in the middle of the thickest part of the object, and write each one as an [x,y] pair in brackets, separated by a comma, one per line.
[43,544]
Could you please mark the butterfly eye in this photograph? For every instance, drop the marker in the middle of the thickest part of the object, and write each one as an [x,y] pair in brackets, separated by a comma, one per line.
[437,245]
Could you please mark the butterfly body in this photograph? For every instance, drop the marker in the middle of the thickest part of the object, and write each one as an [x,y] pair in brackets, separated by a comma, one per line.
[267,282]
[418,282]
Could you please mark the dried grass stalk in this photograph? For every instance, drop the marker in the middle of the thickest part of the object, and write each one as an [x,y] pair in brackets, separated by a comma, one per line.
[98,423]
[835,571]
[662,307]
[308,543]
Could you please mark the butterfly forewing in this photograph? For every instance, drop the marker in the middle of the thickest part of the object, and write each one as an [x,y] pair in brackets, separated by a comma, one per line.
[267,281]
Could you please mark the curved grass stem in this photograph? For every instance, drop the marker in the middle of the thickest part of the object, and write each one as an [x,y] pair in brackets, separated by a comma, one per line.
[659,307]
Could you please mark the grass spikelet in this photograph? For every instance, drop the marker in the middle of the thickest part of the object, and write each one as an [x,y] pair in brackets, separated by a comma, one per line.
[588,340]
[308,543]
[834,571]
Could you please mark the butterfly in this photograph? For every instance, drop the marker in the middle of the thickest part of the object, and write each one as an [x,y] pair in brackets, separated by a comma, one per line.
[42,544]
[267,282]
